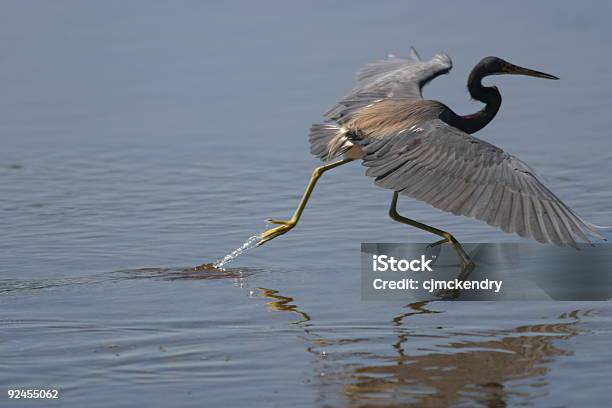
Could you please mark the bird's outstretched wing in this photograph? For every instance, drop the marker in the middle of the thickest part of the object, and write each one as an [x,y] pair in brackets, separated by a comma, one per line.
[393,77]
[458,173]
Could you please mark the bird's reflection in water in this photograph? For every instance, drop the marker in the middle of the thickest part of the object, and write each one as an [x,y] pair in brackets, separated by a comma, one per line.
[428,369]
[282,304]
[469,371]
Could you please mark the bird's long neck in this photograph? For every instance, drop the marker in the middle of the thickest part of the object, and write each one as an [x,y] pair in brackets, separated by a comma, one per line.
[488,94]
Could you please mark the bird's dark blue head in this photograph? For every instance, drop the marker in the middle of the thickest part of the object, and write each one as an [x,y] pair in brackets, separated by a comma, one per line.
[497,66]
[489,94]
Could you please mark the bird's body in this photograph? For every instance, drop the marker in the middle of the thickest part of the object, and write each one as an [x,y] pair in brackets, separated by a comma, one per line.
[379,120]
[422,149]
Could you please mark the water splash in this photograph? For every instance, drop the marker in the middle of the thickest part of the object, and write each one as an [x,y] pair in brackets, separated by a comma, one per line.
[248,244]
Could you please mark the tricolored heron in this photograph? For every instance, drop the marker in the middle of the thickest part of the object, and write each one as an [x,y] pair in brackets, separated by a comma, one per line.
[422,149]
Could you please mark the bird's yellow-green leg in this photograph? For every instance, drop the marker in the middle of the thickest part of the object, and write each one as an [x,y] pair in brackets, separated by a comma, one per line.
[286,225]
[447,238]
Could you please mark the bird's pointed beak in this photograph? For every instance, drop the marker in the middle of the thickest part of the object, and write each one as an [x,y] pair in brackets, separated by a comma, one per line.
[516,70]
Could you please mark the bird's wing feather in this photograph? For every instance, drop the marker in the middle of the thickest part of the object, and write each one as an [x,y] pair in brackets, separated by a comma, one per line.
[458,173]
[393,77]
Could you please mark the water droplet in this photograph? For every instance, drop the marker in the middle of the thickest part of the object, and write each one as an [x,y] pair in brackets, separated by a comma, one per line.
[248,244]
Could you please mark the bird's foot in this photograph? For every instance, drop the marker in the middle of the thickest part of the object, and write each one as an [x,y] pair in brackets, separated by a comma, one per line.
[466,270]
[435,244]
[281,222]
[284,227]
[447,294]
[466,261]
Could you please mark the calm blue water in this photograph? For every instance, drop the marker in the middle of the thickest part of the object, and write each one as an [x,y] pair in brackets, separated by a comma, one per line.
[139,140]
